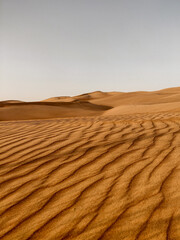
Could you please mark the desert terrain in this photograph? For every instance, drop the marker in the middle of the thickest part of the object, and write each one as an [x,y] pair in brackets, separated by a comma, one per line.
[98,166]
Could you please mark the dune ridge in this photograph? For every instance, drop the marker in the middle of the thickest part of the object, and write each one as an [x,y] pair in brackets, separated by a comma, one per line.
[93,104]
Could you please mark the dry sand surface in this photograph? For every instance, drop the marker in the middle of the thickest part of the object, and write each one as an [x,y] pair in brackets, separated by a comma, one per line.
[112,174]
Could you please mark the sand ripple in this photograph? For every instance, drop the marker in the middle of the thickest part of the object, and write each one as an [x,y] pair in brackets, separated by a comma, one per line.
[108,177]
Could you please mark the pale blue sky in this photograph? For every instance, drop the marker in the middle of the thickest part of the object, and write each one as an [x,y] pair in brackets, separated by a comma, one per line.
[67,47]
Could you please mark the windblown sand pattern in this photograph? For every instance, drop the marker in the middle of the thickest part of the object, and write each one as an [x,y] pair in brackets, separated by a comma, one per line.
[106,177]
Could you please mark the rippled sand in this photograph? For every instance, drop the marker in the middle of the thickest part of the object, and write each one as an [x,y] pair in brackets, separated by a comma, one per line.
[106,177]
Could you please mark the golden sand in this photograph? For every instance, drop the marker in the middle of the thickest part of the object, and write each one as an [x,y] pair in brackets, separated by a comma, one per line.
[110,177]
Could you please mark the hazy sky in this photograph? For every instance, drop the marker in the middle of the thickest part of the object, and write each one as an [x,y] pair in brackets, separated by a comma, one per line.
[67,47]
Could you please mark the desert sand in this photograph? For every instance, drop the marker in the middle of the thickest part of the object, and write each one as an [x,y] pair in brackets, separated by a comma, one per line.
[91,167]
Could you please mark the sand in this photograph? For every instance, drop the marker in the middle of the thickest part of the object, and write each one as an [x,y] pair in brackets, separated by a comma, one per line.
[111,173]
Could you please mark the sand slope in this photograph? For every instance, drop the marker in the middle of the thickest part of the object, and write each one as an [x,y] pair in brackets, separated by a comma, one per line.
[109,177]
[140,98]
[93,104]
[45,110]
[138,108]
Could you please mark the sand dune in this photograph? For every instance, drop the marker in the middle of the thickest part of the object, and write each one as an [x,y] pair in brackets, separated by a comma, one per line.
[109,177]
[139,98]
[92,104]
[45,110]
[137,108]
[59,99]
[82,97]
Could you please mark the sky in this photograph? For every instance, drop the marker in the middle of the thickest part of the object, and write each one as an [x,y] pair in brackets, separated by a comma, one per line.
[54,48]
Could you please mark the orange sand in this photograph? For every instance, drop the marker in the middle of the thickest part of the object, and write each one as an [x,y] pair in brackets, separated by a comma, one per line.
[97,172]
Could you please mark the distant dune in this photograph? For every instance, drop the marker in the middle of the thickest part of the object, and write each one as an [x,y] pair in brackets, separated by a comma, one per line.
[3,103]
[92,104]
[59,99]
